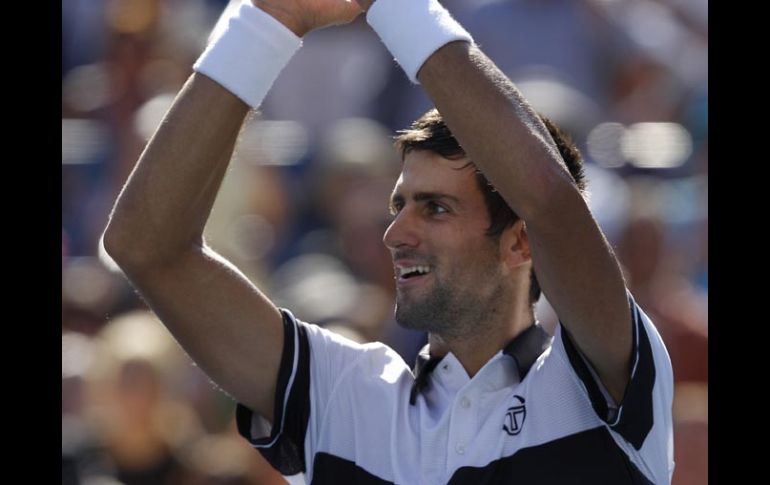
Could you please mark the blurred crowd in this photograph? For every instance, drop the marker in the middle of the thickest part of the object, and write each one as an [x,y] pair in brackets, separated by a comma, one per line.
[304,205]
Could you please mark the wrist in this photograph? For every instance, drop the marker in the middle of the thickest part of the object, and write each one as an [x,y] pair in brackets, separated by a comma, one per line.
[413,30]
[248,53]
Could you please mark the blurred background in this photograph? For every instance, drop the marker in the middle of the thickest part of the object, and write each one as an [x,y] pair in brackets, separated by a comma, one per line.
[304,204]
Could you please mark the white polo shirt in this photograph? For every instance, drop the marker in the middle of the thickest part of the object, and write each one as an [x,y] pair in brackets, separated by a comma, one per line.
[535,413]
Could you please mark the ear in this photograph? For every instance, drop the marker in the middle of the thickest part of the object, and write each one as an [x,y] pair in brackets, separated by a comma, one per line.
[514,245]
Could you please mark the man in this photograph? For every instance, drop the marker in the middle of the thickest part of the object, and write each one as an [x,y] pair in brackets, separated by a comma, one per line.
[492,402]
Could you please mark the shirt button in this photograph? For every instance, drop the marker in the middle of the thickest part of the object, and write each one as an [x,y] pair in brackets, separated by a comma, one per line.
[465,402]
[460,448]
[445,367]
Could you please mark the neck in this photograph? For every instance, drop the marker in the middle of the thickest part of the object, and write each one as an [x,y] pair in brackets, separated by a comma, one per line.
[487,338]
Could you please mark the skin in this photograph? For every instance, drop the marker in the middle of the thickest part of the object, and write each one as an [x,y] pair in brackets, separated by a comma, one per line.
[234,332]
[302,16]
[476,283]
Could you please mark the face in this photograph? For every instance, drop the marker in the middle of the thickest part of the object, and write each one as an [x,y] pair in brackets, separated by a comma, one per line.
[449,273]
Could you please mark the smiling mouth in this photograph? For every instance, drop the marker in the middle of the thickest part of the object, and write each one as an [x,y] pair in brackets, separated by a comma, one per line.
[408,274]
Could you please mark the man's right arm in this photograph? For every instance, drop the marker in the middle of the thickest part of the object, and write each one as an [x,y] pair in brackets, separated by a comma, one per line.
[155,233]
[229,328]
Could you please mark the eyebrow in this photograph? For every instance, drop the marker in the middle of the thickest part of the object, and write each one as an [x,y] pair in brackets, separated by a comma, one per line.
[423,197]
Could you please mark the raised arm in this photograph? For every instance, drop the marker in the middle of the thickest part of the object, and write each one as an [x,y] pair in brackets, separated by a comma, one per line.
[155,232]
[506,140]
[575,265]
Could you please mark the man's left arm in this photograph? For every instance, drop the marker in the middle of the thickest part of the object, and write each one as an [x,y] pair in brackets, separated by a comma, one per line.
[507,141]
[575,265]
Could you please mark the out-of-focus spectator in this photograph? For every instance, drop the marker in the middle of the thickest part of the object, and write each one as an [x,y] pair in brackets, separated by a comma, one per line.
[679,309]
[226,459]
[141,401]
[141,427]
[80,455]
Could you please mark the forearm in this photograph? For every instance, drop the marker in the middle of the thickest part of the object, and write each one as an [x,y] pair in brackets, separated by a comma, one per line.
[497,128]
[508,142]
[163,207]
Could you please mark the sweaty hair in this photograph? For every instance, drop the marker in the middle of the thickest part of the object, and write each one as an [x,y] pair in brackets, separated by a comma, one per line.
[430,133]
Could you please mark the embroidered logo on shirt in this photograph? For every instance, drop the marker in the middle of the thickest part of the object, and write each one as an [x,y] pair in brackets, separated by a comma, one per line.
[514,418]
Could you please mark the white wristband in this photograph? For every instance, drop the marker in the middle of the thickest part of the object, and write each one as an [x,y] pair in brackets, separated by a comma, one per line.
[412,30]
[249,53]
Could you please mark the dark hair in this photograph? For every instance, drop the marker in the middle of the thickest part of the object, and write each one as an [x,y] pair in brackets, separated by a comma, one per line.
[430,133]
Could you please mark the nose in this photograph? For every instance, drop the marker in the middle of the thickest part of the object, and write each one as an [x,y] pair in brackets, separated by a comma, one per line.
[402,232]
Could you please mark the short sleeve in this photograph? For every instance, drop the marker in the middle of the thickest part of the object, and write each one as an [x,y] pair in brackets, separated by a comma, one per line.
[651,375]
[312,361]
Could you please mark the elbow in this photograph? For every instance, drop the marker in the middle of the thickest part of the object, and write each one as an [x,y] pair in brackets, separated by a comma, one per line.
[110,241]
[126,249]
[138,252]
[118,246]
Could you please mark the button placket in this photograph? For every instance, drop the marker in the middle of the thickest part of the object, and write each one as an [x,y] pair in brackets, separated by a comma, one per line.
[463,425]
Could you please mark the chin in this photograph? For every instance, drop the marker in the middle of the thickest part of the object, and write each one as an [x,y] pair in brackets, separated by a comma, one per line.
[403,315]
[414,317]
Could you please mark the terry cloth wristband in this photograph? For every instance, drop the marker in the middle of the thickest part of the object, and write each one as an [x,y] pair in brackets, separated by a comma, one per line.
[247,56]
[412,30]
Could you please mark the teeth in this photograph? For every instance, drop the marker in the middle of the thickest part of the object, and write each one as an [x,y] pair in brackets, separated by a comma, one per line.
[422,269]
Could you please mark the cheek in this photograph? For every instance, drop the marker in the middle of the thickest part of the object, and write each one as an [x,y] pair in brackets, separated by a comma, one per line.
[469,254]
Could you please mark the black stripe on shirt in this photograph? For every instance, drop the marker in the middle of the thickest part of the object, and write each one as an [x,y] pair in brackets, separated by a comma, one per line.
[635,418]
[589,457]
[636,413]
[286,453]
[333,470]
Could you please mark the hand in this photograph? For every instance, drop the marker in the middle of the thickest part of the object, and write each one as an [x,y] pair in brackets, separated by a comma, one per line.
[302,16]
[365,4]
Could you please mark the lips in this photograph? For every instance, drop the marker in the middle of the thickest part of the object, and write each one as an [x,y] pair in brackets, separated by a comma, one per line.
[409,273]
[402,282]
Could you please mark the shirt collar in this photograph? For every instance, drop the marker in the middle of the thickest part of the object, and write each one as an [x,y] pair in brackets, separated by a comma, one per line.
[524,349]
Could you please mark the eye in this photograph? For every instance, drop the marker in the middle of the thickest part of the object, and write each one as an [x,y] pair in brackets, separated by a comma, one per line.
[435,208]
[395,208]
